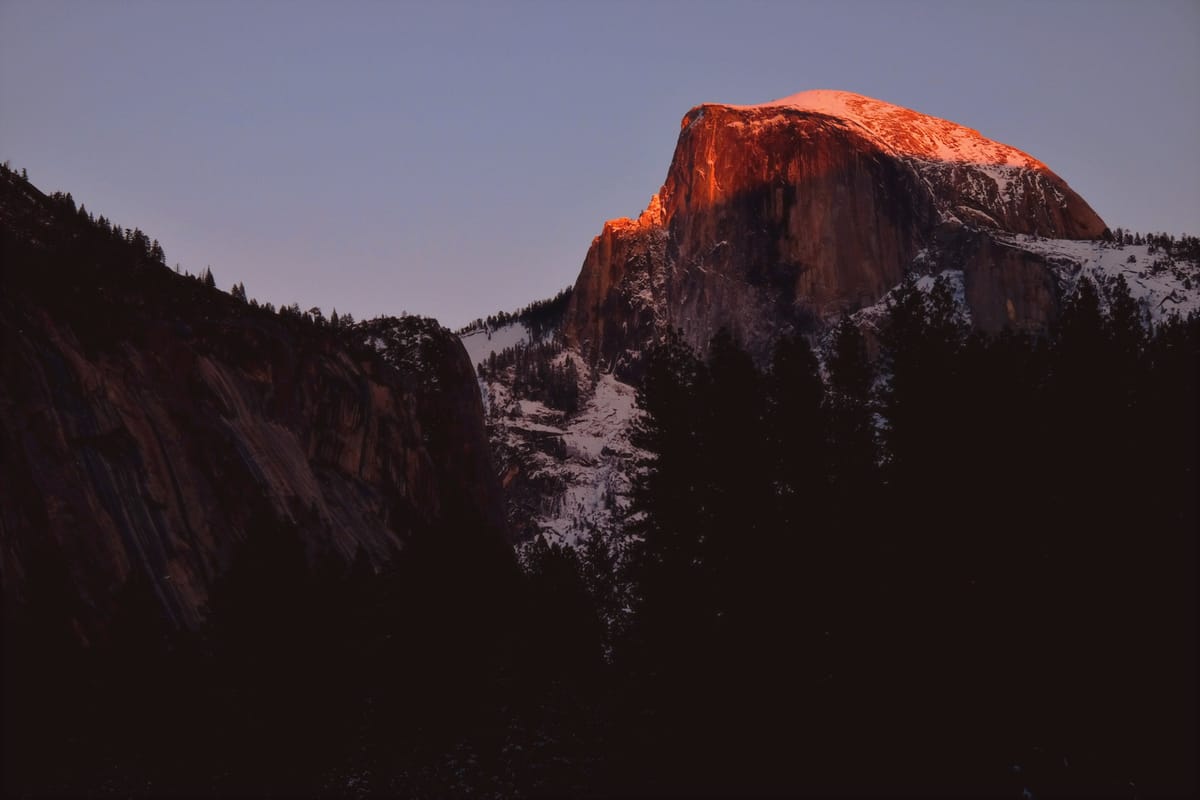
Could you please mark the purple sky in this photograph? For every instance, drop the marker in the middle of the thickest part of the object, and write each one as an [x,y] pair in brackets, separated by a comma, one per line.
[457,159]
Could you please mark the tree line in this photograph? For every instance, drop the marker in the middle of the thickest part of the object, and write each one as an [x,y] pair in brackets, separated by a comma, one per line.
[540,317]
[1185,247]
[537,373]
[965,567]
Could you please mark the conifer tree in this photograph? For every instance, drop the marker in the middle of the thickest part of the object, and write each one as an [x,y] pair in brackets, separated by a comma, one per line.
[669,517]
[849,411]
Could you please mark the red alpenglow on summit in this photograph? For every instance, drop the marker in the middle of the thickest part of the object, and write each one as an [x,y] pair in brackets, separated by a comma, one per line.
[905,131]
[777,217]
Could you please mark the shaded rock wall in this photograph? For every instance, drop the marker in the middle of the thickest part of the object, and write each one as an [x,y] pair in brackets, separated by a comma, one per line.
[148,423]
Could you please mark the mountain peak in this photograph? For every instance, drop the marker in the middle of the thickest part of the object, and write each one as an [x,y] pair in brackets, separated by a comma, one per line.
[778,217]
[901,130]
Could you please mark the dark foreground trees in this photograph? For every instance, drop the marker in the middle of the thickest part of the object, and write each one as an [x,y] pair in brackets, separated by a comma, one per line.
[975,577]
[966,567]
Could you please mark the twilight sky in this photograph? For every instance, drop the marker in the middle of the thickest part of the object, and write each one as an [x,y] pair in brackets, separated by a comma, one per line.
[457,159]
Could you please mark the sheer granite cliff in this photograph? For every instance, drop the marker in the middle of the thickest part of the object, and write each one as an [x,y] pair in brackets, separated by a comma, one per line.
[776,218]
[149,424]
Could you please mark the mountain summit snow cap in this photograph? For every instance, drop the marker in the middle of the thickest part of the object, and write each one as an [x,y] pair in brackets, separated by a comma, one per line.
[902,130]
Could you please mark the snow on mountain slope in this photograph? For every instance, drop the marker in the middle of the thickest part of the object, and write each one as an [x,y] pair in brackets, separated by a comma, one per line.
[1163,286]
[564,475]
[482,342]
[599,463]
[567,475]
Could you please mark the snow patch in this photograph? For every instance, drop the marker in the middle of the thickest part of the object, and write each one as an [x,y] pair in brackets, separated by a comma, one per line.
[598,464]
[1162,286]
[874,316]
[482,342]
[587,458]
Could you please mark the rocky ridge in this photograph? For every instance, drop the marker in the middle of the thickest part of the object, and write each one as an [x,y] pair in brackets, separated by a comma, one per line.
[149,423]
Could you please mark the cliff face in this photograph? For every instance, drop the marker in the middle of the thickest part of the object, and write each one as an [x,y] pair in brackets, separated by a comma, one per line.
[149,424]
[777,217]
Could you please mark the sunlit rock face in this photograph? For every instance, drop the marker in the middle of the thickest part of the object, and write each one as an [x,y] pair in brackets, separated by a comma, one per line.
[148,425]
[777,217]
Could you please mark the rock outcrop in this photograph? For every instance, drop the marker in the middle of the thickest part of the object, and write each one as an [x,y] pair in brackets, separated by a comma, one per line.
[149,423]
[777,217]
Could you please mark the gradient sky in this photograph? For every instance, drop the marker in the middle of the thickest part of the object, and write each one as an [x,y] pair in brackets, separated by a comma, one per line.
[457,159]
